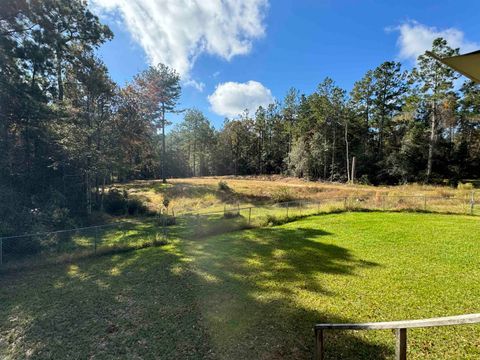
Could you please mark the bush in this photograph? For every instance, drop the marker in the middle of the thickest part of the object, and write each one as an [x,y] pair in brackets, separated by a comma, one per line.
[364,180]
[115,202]
[136,207]
[166,202]
[465,186]
[282,194]
[223,186]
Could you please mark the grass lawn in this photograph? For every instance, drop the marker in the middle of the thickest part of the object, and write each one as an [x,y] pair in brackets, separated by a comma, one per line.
[256,294]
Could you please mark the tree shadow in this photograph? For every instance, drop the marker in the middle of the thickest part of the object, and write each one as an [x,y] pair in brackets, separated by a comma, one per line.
[249,289]
[228,297]
[132,305]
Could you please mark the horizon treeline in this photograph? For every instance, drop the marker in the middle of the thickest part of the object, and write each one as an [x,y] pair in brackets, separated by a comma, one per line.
[67,131]
[401,126]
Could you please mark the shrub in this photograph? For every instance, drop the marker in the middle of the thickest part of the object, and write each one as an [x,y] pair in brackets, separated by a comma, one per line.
[364,180]
[166,202]
[136,207]
[115,202]
[465,186]
[223,186]
[282,194]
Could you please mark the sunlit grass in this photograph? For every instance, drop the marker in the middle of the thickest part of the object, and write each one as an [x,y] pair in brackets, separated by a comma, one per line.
[255,294]
[203,194]
[273,284]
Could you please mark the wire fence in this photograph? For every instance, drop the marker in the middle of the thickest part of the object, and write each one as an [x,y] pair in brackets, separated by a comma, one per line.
[137,233]
[234,217]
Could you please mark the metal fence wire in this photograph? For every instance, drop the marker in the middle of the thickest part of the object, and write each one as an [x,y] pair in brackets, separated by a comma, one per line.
[136,234]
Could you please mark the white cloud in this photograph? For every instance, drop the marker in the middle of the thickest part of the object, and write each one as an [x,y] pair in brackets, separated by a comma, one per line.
[195,84]
[232,98]
[176,32]
[415,38]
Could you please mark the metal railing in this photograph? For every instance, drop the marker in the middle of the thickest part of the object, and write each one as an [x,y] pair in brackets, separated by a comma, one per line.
[400,328]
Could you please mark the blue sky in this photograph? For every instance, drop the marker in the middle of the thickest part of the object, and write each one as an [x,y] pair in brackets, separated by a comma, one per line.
[232,56]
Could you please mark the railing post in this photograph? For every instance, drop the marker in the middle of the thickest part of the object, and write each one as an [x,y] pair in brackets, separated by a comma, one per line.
[319,346]
[401,344]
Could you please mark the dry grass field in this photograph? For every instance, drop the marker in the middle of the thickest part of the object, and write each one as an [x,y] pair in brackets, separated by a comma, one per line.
[193,194]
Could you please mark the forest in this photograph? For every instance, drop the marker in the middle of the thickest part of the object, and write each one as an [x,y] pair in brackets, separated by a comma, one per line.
[68,131]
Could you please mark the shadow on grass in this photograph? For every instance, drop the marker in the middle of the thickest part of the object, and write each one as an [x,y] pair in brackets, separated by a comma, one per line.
[65,246]
[250,285]
[236,300]
[133,305]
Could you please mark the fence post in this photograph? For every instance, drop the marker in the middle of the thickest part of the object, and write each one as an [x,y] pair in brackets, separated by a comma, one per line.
[249,215]
[345,203]
[319,346]
[424,202]
[401,344]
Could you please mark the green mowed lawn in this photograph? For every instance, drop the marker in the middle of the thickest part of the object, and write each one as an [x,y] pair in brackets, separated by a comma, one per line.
[256,294]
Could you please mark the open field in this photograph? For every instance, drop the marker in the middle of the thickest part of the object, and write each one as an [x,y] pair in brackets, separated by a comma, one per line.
[203,194]
[202,208]
[256,293]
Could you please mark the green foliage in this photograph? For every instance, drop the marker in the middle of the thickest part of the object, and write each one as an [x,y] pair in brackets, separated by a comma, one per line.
[118,203]
[223,186]
[166,202]
[67,131]
[281,194]
[137,207]
[115,202]
[465,186]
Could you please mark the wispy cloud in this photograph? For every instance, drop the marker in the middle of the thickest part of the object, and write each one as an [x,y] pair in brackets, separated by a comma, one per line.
[415,38]
[176,32]
[232,98]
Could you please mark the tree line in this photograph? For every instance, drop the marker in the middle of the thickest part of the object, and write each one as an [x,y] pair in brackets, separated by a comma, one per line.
[401,126]
[68,131]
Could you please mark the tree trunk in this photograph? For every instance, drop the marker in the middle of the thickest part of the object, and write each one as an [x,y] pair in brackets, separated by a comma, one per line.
[332,170]
[325,157]
[194,155]
[164,178]
[346,151]
[431,144]
[59,75]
